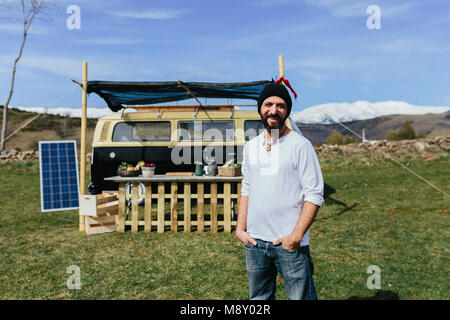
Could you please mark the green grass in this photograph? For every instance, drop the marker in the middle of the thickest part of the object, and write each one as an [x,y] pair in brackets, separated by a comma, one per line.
[376,213]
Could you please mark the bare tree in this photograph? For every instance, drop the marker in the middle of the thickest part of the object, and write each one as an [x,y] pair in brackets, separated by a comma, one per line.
[29,10]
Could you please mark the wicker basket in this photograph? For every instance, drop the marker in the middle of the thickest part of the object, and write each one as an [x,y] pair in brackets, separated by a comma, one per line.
[125,173]
[229,172]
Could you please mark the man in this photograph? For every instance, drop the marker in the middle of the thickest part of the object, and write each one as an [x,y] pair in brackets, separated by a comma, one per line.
[281,193]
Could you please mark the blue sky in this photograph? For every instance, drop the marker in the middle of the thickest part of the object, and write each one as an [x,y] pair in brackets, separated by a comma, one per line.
[330,54]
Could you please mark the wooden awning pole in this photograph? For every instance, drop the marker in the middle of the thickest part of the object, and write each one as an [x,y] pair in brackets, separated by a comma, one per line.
[83,139]
[281,67]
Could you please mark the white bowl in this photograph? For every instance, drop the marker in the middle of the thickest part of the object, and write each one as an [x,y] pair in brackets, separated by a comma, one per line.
[147,173]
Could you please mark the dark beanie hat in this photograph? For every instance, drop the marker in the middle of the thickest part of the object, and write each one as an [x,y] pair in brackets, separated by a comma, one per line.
[275,89]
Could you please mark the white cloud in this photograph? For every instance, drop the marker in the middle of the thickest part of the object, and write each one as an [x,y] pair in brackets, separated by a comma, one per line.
[271,3]
[317,63]
[18,28]
[57,65]
[68,66]
[408,45]
[109,41]
[155,14]
[351,8]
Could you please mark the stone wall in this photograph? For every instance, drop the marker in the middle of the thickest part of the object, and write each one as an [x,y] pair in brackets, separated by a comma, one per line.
[404,146]
[10,155]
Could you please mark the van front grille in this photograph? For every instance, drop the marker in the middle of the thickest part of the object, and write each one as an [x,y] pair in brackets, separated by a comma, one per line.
[104,133]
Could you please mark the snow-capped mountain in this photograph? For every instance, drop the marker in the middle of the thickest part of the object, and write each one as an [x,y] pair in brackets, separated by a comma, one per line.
[359,110]
[323,113]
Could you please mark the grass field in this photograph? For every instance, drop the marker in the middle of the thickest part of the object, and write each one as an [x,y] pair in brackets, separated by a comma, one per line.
[376,213]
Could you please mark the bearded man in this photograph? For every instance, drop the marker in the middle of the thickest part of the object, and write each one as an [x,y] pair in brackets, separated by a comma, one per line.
[278,205]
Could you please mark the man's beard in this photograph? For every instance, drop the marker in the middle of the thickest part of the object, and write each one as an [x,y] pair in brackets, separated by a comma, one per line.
[275,127]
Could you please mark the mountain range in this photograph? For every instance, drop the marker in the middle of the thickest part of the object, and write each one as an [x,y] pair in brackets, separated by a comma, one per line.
[375,128]
[321,114]
[54,127]
[360,110]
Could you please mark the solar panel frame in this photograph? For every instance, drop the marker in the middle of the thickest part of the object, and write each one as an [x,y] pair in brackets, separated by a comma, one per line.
[54,172]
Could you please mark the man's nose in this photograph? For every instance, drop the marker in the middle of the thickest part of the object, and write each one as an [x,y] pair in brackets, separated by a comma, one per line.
[273,110]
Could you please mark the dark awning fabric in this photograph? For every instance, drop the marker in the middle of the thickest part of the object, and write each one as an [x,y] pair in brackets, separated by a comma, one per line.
[118,94]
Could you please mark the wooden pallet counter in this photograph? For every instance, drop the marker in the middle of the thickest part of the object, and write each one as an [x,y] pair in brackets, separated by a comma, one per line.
[208,199]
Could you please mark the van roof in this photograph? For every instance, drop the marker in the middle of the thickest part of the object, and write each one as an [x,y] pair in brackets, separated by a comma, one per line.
[200,114]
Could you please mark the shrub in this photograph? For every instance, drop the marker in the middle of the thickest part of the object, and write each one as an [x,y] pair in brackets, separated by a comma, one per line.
[318,143]
[405,132]
[337,138]
[33,145]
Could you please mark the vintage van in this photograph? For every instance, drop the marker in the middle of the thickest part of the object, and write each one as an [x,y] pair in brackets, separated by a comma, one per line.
[175,139]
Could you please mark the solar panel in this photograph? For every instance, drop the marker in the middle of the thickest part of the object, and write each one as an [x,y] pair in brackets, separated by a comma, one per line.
[59,175]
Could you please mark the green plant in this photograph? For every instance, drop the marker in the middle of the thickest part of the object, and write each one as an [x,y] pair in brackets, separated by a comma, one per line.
[405,132]
[337,138]
[33,145]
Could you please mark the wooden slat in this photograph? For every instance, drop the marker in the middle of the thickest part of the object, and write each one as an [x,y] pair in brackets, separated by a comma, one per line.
[213,207]
[187,207]
[173,206]
[174,196]
[108,210]
[122,210]
[200,207]
[107,193]
[95,225]
[160,207]
[194,196]
[93,221]
[180,223]
[101,199]
[101,229]
[239,186]
[148,208]
[179,173]
[227,207]
[103,224]
[134,206]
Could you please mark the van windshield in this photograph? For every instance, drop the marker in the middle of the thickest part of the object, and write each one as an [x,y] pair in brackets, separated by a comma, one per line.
[142,131]
[205,130]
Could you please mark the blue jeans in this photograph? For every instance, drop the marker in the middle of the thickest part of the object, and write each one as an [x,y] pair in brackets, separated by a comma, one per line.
[265,260]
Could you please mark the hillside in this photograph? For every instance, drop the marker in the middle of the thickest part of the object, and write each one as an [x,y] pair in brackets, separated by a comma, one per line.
[45,127]
[429,124]
[57,127]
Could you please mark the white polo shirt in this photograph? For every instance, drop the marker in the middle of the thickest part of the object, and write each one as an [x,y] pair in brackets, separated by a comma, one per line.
[278,183]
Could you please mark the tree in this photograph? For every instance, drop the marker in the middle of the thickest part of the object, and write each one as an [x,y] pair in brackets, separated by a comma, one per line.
[29,10]
[405,132]
[337,138]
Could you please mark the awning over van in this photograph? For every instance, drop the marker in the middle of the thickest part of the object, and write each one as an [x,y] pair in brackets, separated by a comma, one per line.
[118,94]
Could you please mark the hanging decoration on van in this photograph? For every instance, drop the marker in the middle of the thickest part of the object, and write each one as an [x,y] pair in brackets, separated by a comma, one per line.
[117,94]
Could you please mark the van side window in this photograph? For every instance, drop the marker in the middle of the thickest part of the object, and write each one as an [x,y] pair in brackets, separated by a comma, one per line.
[252,128]
[142,131]
[205,130]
